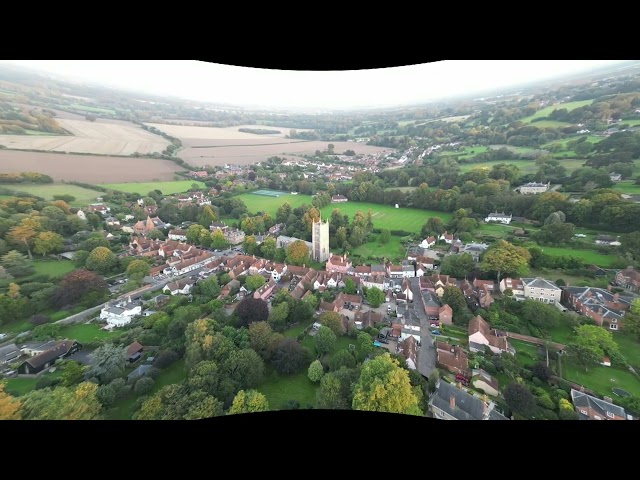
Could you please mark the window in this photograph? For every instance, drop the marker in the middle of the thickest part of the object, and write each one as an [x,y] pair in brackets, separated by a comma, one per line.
[610,415]
[613,326]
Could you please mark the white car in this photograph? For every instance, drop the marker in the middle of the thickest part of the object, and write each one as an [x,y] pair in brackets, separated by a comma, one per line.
[580,235]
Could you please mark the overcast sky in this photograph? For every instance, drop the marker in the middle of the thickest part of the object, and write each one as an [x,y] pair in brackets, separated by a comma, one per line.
[202,81]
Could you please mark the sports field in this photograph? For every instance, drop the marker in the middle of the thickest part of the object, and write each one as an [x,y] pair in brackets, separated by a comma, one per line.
[143,188]
[384,216]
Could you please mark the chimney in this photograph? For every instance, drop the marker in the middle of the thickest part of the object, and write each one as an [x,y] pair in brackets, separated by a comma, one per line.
[452,401]
[616,296]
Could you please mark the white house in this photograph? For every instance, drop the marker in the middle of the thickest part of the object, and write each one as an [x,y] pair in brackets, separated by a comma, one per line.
[182,287]
[406,289]
[179,235]
[111,221]
[120,312]
[128,217]
[515,285]
[541,290]
[378,281]
[428,242]
[410,331]
[447,237]
[607,240]
[481,335]
[81,215]
[499,217]
[278,271]
[534,188]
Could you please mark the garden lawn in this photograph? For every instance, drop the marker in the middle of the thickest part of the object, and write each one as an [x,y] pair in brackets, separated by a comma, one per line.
[83,196]
[282,388]
[393,250]
[293,332]
[631,123]
[468,152]
[87,332]
[175,373]
[16,327]
[526,353]
[142,188]
[629,347]
[589,256]
[628,187]
[601,379]
[562,333]
[22,386]
[53,268]
[525,166]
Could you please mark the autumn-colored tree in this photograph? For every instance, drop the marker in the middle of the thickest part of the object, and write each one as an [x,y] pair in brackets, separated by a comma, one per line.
[77,285]
[63,403]
[503,257]
[9,406]
[48,242]
[101,260]
[384,386]
[298,253]
[333,321]
[249,401]
[14,290]
[138,269]
[25,233]
[62,205]
[207,216]
[310,216]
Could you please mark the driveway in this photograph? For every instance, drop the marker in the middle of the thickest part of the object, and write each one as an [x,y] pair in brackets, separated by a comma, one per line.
[427,351]
[82,356]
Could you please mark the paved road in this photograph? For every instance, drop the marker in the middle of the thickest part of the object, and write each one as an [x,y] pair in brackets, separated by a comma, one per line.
[427,352]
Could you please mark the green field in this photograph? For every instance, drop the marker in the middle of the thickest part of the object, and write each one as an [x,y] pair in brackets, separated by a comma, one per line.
[83,196]
[632,122]
[167,188]
[525,166]
[526,353]
[394,250]
[282,388]
[629,347]
[86,108]
[601,379]
[468,152]
[589,256]
[87,332]
[53,268]
[544,112]
[123,409]
[384,216]
[22,386]
[407,189]
[628,187]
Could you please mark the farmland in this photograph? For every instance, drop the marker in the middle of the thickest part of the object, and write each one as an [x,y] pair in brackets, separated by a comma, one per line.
[87,168]
[226,133]
[47,191]
[167,188]
[544,112]
[525,166]
[384,216]
[105,138]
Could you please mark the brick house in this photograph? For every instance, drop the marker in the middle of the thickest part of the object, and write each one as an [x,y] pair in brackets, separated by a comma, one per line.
[592,408]
[338,263]
[452,358]
[629,278]
[605,308]
[445,315]
[481,335]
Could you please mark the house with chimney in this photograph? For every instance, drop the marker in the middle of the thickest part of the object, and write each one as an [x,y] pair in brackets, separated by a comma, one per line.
[499,217]
[589,407]
[515,285]
[533,188]
[453,359]
[428,242]
[629,278]
[445,315]
[431,305]
[150,224]
[265,290]
[449,402]
[474,249]
[408,348]
[607,240]
[361,270]
[378,281]
[100,208]
[339,199]
[605,308]
[47,358]
[179,235]
[446,237]
[481,380]
[120,312]
[481,335]
[367,319]
[180,287]
[541,290]
[338,263]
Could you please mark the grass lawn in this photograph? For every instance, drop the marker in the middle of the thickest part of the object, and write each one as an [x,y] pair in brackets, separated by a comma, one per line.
[142,188]
[16,327]
[525,166]
[468,152]
[83,196]
[544,112]
[562,333]
[629,347]
[87,332]
[256,203]
[631,123]
[386,216]
[526,353]
[589,256]
[628,187]
[601,379]
[283,388]
[293,332]
[393,250]
[550,124]
[407,189]
[22,386]
[53,268]
[553,274]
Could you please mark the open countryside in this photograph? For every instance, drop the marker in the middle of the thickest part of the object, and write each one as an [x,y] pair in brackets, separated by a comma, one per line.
[82,195]
[167,188]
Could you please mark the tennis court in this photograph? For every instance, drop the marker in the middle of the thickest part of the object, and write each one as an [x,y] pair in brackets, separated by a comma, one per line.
[270,193]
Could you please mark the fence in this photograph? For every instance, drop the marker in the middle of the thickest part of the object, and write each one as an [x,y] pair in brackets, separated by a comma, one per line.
[536,340]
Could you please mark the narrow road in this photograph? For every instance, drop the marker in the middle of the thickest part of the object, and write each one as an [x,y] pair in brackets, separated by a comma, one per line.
[427,352]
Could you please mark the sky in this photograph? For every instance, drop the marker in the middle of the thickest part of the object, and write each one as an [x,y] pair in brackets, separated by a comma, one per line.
[243,86]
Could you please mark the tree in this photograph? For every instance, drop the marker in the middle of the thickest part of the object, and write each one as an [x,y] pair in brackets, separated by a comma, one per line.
[250,401]
[138,269]
[325,340]
[519,399]
[252,310]
[541,371]
[72,373]
[591,343]
[194,233]
[375,296]
[333,321]
[316,371]
[143,385]
[39,319]
[290,356]
[330,394]
[245,367]
[78,285]
[364,345]
[63,403]
[9,406]
[540,314]
[176,402]
[249,245]
[279,315]
[25,233]
[16,264]
[254,282]
[454,297]
[504,257]
[269,247]
[385,236]
[207,216]
[108,363]
[630,244]
[555,233]
[297,253]
[349,286]
[566,411]
[48,242]
[458,266]
[555,218]
[263,339]
[385,387]
[632,319]
[434,226]
[218,241]
[101,260]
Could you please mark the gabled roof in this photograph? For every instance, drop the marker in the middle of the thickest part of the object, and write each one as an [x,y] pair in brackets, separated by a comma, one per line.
[481,374]
[467,407]
[539,283]
[133,348]
[583,400]
[58,350]
[479,324]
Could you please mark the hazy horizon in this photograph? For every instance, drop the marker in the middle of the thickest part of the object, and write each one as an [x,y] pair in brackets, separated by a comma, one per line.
[351,89]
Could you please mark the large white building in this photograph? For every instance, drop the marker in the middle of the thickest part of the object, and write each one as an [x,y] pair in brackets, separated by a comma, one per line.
[120,312]
[534,188]
[541,290]
[320,241]
[499,217]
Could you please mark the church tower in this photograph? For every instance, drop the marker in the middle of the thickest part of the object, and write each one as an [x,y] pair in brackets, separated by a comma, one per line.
[320,241]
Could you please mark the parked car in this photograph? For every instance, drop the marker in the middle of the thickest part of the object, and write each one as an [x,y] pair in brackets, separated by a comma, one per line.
[435,332]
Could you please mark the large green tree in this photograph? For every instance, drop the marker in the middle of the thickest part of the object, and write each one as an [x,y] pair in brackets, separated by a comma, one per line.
[384,386]
[101,260]
[109,361]
[458,266]
[503,257]
[325,340]
[63,403]
[375,296]
[47,242]
[591,343]
[250,401]
[333,321]
[254,282]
